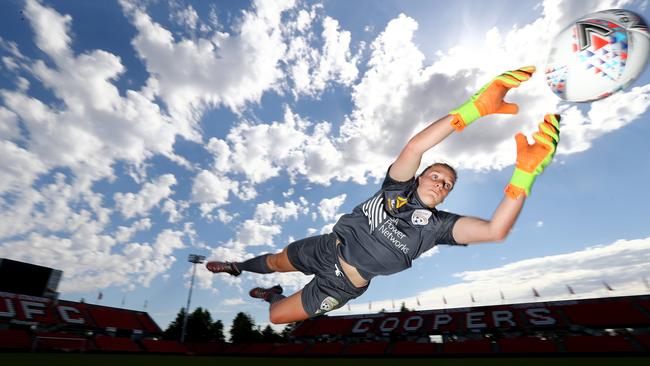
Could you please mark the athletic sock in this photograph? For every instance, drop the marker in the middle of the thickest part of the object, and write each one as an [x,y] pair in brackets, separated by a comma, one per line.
[256,265]
[273,297]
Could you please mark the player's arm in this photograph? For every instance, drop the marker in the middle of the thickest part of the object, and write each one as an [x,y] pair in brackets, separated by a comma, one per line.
[471,230]
[531,162]
[488,100]
[409,158]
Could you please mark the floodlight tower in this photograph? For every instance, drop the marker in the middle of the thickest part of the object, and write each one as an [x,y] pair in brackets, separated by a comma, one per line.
[195,259]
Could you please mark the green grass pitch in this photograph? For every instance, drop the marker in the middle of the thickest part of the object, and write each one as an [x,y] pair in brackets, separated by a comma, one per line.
[52,359]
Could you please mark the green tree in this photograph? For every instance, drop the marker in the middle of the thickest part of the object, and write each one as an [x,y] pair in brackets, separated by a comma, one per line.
[270,336]
[173,331]
[217,331]
[243,329]
[200,327]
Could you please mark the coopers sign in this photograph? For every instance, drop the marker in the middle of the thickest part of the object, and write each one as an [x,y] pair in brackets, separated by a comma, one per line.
[440,322]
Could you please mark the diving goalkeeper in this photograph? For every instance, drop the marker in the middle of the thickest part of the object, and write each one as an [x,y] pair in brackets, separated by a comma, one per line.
[384,234]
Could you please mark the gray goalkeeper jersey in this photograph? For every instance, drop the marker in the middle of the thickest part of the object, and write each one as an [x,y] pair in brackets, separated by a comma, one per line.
[384,234]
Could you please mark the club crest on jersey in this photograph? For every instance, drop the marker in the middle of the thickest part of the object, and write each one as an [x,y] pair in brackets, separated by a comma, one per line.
[420,217]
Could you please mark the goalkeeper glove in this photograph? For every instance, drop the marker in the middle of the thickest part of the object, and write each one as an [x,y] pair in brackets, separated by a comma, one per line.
[489,99]
[533,159]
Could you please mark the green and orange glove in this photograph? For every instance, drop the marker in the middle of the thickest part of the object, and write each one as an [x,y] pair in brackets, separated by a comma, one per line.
[533,159]
[489,99]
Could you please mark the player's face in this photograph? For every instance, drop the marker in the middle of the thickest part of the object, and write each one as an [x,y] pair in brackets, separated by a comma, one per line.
[435,184]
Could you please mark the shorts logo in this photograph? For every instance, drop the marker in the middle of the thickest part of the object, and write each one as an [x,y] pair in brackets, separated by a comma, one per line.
[420,217]
[328,304]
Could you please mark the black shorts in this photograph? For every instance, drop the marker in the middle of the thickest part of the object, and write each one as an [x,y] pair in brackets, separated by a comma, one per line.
[330,288]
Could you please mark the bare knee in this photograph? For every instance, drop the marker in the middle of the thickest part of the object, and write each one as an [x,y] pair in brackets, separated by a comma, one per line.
[277,318]
[288,310]
[283,317]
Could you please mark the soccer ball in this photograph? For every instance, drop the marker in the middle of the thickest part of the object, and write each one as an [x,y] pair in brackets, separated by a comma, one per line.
[598,55]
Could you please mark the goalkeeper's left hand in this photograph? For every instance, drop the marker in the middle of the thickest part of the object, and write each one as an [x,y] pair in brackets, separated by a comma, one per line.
[533,159]
[489,99]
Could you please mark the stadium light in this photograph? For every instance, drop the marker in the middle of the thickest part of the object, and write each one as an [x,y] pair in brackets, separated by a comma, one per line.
[195,259]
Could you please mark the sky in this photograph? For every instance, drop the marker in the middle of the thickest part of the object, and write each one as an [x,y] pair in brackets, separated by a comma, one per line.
[135,133]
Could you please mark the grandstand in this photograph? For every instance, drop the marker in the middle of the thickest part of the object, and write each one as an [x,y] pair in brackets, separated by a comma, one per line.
[615,325]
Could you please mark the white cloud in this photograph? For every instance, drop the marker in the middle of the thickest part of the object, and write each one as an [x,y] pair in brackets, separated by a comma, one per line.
[92,261]
[174,209]
[104,125]
[130,204]
[51,29]
[186,17]
[124,233]
[329,206]
[224,216]
[209,188]
[9,129]
[311,69]
[18,167]
[233,301]
[252,233]
[267,212]
[228,69]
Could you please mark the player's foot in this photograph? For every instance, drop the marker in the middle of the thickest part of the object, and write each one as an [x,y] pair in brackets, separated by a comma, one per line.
[263,293]
[225,267]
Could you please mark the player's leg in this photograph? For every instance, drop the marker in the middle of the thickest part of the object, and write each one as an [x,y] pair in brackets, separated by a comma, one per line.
[288,310]
[282,309]
[280,262]
[266,263]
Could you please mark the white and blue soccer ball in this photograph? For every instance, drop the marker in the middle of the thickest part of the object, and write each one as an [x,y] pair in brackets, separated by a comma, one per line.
[598,55]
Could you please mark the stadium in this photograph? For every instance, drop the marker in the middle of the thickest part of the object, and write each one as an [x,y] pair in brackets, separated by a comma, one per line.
[34,324]
[135,134]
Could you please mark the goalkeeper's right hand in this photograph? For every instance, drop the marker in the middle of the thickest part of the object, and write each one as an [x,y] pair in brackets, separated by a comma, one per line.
[533,159]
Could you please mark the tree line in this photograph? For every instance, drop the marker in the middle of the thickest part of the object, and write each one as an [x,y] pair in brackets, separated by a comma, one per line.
[201,328]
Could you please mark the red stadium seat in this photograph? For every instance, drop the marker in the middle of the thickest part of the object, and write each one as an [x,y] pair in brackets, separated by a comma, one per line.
[257,349]
[163,346]
[468,346]
[234,348]
[303,328]
[608,313]
[325,349]
[112,317]
[644,340]
[148,325]
[13,339]
[61,342]
[289,349]
[366,348]
[411,348]
[645,303]
[205,348]
[526,345]
[330,326]
[599,344]
[116,344]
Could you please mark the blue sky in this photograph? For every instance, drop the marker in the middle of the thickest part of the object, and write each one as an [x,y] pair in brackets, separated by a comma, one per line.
[136,133]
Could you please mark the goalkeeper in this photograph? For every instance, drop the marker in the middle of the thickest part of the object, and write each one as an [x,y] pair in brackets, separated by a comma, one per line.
[384,234]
